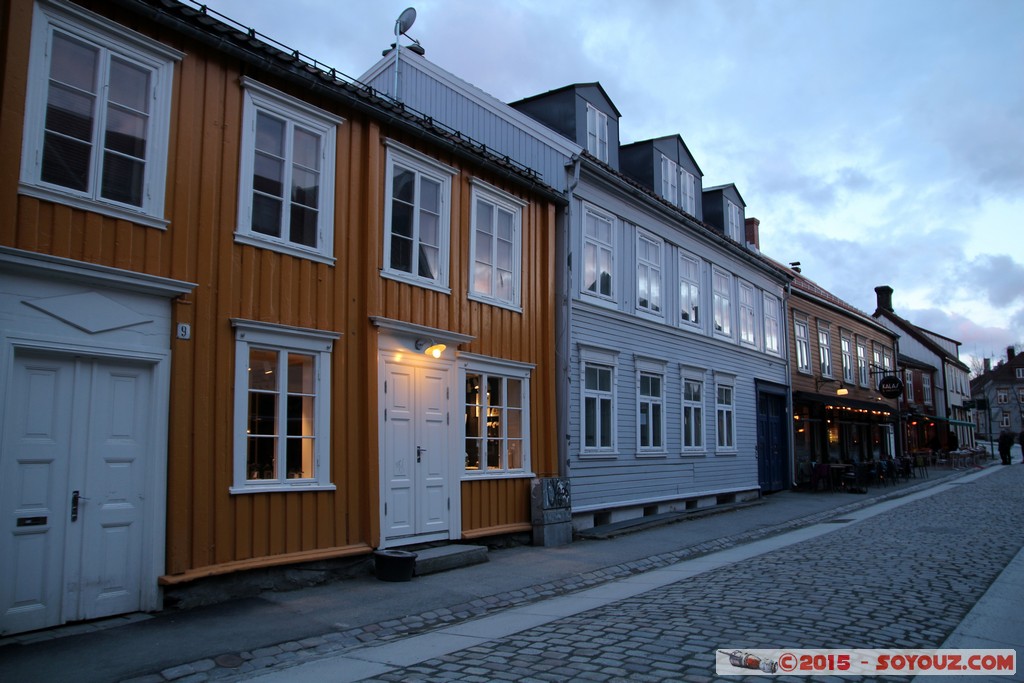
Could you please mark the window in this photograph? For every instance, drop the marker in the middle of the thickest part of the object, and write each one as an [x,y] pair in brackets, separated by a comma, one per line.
[648,273]
[862,363]
[825,349]
[416,218]
[97,115]
[734,228]
[748,317]
[496,246]
[1004,418]
[693,411]
[772,341]
[1020,396]
[650,408]
[689,290]
[926,387]
[876,356]
[688,192]
[282,407]
[721,289]
[597,133]
[286,192]
[597,255]
[887,359]
[497,419]
[598,401]
[1020,373]
[724,409]
[846,346]
[908,384]
[669,180]
[1002,397]
[803,346]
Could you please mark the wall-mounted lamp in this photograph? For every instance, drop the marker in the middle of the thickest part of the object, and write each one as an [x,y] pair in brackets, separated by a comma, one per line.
[821,381]
[430,347]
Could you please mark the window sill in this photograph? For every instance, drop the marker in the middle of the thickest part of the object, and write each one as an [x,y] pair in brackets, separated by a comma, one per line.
[498,303]
[86,204]
[415,281]
[474,476]
[281,488]
[597,455]
[651,455]
[693,454]
[259,243]
[730,452]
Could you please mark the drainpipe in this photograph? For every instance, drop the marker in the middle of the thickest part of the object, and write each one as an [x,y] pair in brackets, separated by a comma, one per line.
[789,382]
[563,346]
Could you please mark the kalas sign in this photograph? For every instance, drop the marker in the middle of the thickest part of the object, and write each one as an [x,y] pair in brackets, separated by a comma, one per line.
[890,386]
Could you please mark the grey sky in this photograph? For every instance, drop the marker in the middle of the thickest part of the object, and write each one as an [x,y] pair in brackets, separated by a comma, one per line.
[878,142]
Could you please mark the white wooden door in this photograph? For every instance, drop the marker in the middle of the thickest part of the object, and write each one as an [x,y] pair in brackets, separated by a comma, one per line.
[72,478]
[415,456]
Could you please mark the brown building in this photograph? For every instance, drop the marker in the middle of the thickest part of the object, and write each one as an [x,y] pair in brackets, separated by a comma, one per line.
[221,263]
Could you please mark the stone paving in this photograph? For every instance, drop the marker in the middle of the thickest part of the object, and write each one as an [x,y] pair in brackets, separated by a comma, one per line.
[902,579]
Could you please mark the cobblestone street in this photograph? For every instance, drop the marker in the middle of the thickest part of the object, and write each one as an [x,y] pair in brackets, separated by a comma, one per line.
[902,579]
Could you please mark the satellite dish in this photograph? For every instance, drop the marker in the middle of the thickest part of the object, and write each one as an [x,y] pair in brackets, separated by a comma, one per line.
[405,21]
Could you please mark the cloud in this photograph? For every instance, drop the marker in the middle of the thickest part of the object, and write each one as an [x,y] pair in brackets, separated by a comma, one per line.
[998,277]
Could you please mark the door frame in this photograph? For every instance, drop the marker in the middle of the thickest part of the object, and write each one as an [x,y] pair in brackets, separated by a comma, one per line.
[32,278]
[397,344]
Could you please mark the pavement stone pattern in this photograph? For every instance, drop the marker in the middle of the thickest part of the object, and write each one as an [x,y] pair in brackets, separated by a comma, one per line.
[692,660]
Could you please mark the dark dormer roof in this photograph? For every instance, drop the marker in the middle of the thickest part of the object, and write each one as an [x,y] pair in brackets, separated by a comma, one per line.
[572,86]
[652,142]
[723,188]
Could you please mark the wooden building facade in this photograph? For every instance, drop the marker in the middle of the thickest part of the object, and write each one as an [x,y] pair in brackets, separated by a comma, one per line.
[221,264]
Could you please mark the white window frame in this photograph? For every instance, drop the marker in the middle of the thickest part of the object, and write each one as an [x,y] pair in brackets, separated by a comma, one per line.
[423,166]
[1020,373]
[801,336]
[1004,421]
[649,279]
[725,439]
[926,387]
[772,324]
[499,201]
[747,304]
[283,339]
[1002,397]
[721,302]
[825,349]
[846,349]
[733,221]
[655,404]
[601,250]
[687,191]
[690,269]
[295,113]
[111,39]
[670,180]
[605,360]
[597,133]
[504,370]
[693,413]
[863,372]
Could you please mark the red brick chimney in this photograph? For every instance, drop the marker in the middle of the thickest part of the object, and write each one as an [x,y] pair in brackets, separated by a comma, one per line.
[753,234]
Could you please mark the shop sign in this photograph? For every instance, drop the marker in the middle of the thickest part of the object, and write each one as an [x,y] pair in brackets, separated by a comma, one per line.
[890,386]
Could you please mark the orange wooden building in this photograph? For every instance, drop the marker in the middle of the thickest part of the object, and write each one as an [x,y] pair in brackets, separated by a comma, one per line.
[227,273]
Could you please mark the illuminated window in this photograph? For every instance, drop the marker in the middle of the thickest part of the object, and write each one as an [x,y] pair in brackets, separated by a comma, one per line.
[497,420]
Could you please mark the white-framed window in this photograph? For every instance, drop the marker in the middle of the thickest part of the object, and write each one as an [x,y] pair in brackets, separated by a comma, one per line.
[863,373]
[598,250]
[282,407]
[497,417]
[908,384]
[693,410]
[876,355]
[688,192]
[825,348]
[417,215]
[926,387]
[650,406]
[846,348]
[597,133]
[1002,397]
[689,290]
[1004,418]
[1020,395]
[1020,373]
[496,246]
[287,174]
[669,180]
[803,345]
[734,222]
[772,326]
[725,423]
[648,273]
[598,419]
[721,289]
[97,115]
[748,314]
[886,359]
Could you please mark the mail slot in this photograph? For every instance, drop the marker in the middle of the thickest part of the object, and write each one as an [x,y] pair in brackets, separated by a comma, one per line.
[31,521]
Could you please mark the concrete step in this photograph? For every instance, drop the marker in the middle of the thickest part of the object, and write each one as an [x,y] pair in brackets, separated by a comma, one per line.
[446,557]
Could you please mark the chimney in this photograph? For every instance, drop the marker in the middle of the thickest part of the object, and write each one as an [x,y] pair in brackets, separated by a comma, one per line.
[884,295]
[753,235]
[1010,353]
[988,365]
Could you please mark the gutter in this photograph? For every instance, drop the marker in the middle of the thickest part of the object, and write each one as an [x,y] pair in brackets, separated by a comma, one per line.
[563,334]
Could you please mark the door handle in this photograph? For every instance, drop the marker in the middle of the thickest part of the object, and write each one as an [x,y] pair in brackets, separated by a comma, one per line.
[75,497]
[420,450]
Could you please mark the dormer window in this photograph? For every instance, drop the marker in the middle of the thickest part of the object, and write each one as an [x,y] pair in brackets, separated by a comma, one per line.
[678,186]
[597,133]
[733,222]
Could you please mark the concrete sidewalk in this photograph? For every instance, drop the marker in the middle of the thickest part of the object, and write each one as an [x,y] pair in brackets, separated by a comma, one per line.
[246,636]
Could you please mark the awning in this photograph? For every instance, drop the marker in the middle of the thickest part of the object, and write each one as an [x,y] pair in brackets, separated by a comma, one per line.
[808,397]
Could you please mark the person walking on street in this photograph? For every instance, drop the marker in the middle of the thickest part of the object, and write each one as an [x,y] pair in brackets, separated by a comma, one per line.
[1005,444]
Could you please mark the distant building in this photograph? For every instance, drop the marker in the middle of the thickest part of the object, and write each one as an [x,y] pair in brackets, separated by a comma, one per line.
[998,395]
